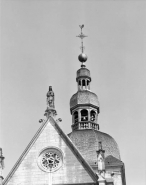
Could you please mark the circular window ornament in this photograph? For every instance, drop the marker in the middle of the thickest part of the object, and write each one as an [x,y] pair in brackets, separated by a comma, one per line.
[50,159]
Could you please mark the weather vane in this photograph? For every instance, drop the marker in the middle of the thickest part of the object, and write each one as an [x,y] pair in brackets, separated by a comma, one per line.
[81,36]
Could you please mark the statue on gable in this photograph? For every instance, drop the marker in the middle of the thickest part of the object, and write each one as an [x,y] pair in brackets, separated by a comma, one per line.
[101,164]
[50,98]
[50,111]
[100,160]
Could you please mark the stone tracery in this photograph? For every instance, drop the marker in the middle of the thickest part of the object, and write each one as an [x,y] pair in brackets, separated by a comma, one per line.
[50,159]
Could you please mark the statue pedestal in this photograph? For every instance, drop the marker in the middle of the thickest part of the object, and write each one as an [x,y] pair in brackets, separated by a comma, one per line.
[101,178]
[50,112]
[102,182]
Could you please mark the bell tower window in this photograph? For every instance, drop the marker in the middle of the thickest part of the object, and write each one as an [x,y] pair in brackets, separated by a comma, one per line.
[92,115]
[79,85]
[88,84]
[80,82]
[84,115]
[84,84]
[75,117]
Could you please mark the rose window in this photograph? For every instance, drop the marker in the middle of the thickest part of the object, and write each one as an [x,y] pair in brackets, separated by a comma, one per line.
[50,159]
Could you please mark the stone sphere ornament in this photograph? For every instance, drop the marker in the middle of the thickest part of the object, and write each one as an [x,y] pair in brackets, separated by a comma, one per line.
[82,57]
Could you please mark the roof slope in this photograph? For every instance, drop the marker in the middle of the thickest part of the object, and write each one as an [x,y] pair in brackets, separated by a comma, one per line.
[87,143]
[112,161]
[74,170]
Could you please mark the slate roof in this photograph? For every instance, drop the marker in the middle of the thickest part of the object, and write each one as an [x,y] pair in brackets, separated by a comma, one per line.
[87,143]
[112,161]
[84,97]
[83,72]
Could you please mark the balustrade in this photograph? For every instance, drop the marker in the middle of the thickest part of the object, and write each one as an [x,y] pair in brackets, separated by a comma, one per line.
[85,125]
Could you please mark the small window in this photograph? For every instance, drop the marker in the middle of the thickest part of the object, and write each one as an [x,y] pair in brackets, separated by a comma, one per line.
[87,82]
[84,115]
[79,82]
[83,82]
[92,115]
[88,87]
[75,117]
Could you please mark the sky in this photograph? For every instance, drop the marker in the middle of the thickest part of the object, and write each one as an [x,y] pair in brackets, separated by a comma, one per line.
[39,48]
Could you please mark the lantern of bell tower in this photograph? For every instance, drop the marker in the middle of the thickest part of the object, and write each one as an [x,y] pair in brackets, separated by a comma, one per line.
[84,105]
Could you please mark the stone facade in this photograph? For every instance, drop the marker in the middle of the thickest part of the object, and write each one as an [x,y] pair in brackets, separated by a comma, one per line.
[27,171]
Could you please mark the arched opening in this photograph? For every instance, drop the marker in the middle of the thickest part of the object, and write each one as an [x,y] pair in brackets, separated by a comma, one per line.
[88,87]
[75,117]
[83,84]
[80,82]
[84,115]
[87,82]
[92,115]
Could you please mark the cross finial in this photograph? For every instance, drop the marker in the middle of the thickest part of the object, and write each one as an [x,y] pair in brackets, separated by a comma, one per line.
[81,26]
[81,36]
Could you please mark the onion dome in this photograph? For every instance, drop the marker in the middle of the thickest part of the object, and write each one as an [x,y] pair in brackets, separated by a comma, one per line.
[84,98]
[83,73]
[87,143]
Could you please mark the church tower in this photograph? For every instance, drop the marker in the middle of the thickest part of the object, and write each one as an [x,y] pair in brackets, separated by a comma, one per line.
[84,105]
[84,108]
[85,156]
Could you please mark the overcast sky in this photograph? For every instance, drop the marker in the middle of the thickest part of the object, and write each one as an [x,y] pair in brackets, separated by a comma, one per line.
[39,48]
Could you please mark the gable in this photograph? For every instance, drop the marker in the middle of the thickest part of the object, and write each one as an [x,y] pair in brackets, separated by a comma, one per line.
[73,170]
[110,160]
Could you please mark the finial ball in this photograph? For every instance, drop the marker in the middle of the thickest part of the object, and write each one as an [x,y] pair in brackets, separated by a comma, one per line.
[82,57]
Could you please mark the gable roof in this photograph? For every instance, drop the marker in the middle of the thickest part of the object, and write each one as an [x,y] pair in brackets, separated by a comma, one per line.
[68,143]
[112,161]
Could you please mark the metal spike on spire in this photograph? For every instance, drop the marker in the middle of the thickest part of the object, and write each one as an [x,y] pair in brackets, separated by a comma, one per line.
[82,36]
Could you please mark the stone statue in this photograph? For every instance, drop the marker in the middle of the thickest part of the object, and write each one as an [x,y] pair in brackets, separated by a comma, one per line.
[50,98]
[100,162]
[100,158]
[50,111]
